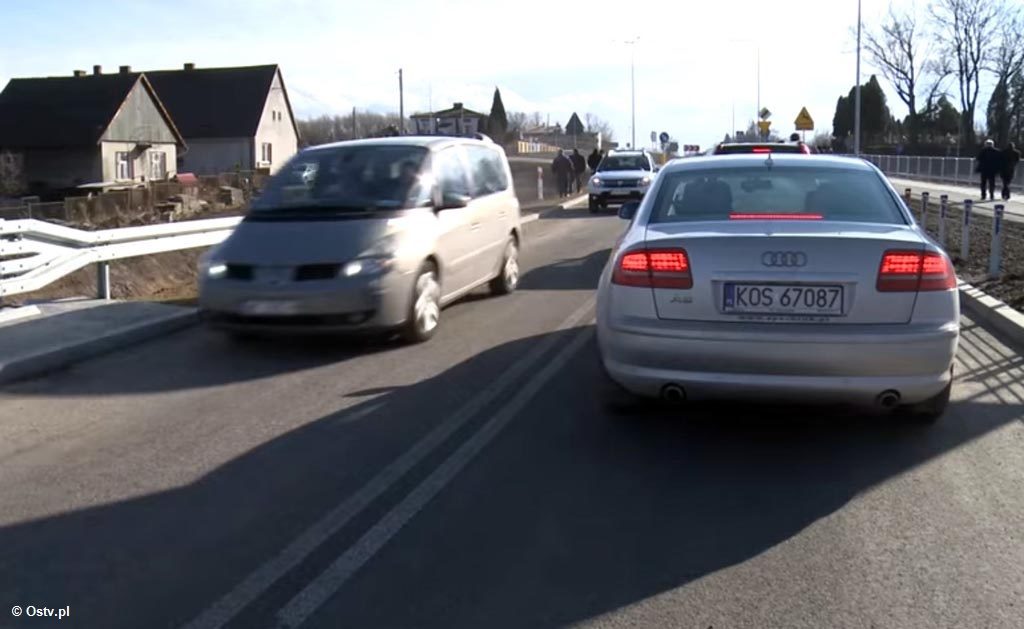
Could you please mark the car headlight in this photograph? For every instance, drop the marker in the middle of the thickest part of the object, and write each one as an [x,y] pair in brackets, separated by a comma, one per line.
[596,181]
[366,266]
[213,269]
[646,181]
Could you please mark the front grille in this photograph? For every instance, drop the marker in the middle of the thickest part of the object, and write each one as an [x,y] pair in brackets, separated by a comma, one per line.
[622,183]
[239,272]
[317,272]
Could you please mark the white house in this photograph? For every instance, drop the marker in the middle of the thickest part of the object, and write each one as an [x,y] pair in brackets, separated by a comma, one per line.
[231,118]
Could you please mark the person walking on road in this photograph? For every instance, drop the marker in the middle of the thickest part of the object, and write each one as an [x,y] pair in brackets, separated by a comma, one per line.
[990,163]
[1011,157]
[579,167]
[562,167]
[594,160]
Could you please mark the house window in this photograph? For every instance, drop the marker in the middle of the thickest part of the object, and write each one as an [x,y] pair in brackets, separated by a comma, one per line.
[266,153]
[123,166]
[157,165]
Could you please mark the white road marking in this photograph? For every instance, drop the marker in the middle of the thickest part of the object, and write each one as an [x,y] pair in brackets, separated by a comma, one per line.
[318,591]
[255,584]
[355,416]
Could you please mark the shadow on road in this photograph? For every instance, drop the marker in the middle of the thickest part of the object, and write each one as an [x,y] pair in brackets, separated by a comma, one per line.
[570,274]
[576,511]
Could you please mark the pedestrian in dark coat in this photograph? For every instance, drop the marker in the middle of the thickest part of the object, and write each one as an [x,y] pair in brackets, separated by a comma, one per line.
[579,168]
[562,167]
[990,164]
[594,160]
[1011,157]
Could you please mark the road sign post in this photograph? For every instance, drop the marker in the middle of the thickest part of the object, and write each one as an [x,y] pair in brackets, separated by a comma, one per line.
[965,231]
[540,183]
[943,211]
[995,257]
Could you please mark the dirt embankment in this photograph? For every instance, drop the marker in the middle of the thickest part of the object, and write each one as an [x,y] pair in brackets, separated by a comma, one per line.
[974,268]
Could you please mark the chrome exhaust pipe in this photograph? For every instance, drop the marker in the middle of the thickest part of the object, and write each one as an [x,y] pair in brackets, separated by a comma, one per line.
[888,399]
[673,394]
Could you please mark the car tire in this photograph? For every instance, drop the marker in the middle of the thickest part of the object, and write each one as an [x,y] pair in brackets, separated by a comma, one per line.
[424,315]
[508,276]
[929,411]
[593,205]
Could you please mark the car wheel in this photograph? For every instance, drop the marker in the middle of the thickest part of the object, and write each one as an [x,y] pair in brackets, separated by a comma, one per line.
[593,205]
[929,411]
[425,309]
[508,278]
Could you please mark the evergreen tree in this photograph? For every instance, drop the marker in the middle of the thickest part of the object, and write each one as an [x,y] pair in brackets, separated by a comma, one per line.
[497,122]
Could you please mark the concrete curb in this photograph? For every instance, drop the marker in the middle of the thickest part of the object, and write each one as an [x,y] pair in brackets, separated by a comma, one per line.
[993,313]
[571,203]
[49,359]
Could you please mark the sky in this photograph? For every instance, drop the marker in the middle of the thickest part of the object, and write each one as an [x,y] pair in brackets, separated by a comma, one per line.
[695,61]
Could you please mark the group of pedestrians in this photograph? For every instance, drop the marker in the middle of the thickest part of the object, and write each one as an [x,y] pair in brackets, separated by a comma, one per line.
[570,169]
[992,162]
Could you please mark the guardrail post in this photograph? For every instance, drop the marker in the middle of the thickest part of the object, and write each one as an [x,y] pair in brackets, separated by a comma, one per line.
[943,211]
[965,231]
[103,280]
[924,210]
[540,183]
[995,259]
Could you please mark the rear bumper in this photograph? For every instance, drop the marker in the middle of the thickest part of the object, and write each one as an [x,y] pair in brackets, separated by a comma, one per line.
[831,366]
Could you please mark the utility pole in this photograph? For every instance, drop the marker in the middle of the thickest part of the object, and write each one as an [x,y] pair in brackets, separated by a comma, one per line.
[856,105]
[355,134]
[757,114]
[632,88]
[401,104]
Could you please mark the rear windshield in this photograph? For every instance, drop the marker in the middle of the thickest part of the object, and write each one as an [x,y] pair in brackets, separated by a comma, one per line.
[347,178]
[758,148]
[624,162]
[777,192]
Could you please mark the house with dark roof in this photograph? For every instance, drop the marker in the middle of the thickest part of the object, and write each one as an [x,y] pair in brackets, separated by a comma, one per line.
[231,118]
[456,120]
[73,130]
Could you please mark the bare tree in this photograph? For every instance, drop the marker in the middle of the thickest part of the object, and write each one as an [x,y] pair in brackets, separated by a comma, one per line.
[1006,61]
[895,48]
[596,124]
[12,180]
[965,27]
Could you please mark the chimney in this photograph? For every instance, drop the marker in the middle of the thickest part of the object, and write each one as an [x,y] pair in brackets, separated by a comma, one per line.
[190,66]
[79,73]
[97,70]
[458,105]
[125,69]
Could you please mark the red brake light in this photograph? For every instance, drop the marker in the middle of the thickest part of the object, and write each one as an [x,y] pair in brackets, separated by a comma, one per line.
[806,150]
[794,216]
[903,271]
[655,268]
[761,149]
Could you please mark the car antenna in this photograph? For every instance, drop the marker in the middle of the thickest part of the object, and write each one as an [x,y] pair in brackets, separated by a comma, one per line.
[768,162]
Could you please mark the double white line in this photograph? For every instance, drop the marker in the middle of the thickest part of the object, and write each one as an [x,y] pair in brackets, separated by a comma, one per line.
[318,591]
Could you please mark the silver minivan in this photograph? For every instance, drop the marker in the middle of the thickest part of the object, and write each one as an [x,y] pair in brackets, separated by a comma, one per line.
[368,236]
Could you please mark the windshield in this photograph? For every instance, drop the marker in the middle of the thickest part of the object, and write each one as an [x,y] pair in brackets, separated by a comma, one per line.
[348,178]
[624,162]
[814,193]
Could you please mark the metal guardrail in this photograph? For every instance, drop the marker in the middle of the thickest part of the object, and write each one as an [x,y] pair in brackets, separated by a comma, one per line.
[35,253]
[954,170]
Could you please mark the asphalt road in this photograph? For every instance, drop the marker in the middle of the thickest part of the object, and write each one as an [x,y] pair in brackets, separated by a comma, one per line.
[477,481]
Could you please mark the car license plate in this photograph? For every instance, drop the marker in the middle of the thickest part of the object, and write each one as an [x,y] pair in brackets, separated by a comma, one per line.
[620,193]
[275,307]
[795,299]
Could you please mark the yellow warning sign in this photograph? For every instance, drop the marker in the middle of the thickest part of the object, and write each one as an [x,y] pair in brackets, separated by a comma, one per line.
[764,125]
[804,122]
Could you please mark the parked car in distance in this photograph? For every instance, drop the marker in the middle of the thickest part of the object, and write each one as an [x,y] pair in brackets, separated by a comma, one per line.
[368,236]
[779,277]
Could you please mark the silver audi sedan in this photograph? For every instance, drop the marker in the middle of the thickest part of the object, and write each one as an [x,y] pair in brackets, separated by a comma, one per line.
[779,277]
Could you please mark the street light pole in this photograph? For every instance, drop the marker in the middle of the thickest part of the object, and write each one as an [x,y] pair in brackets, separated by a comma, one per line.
[401,104]
[856,104]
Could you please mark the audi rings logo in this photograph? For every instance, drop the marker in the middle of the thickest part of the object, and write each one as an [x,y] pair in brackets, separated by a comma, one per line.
[784,258]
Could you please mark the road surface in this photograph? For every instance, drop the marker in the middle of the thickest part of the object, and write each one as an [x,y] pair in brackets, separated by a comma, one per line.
[477,481]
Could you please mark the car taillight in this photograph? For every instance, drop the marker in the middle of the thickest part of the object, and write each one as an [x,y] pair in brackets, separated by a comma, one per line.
[903,271]
[806,150]
[760,149]
[654,268]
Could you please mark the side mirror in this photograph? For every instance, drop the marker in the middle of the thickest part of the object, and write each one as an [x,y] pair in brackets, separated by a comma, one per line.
[628,210]
[453,200]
